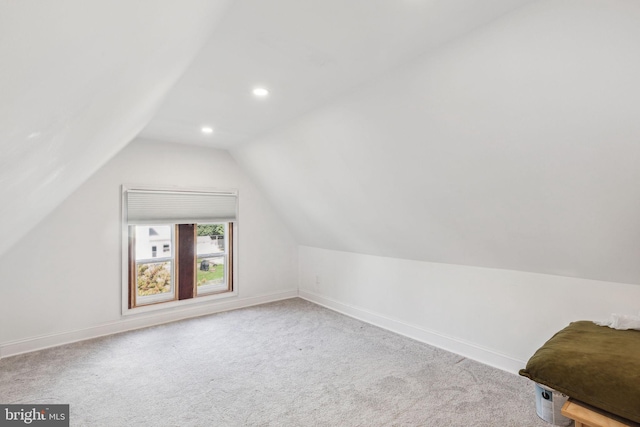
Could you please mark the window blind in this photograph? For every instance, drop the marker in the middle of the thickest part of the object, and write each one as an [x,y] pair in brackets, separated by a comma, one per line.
[148,207]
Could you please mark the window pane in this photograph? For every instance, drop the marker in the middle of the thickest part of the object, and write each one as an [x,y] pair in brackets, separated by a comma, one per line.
[210,239]
[153,241]
[154,278]
[211,258]
[210,274]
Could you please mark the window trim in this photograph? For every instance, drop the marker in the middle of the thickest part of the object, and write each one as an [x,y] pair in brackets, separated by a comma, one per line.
[174,303]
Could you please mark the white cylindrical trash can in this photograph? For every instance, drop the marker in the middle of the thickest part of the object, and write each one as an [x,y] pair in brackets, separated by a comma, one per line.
[548,405]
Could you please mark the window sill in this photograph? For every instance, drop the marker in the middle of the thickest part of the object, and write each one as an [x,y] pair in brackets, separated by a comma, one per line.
[126,311]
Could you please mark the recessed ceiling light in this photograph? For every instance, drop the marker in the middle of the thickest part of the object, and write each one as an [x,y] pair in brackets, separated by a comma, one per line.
[207,129]
[260,92]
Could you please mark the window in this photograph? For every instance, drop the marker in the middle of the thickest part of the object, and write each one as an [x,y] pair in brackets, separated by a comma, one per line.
[195,231]
[153,276]
[212,255]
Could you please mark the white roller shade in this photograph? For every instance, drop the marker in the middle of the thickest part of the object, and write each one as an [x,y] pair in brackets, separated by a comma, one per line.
[179,207]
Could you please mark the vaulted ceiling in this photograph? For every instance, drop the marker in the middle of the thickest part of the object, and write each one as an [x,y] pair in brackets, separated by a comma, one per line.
[306,53]
[501,133]
[78,81]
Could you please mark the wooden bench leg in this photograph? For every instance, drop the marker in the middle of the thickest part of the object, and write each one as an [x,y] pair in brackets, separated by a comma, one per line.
[588,416]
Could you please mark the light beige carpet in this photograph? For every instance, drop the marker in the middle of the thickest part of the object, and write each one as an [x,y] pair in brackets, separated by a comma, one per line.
[289,363]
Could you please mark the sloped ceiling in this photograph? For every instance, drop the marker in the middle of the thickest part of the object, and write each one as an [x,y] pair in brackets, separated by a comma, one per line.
[306,52]
[78,81]
[514,147]
[500,133]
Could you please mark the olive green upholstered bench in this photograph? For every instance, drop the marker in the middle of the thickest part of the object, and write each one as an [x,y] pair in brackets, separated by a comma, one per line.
[593,365]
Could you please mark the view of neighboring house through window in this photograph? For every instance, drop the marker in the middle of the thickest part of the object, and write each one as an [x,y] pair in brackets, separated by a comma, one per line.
[154,275]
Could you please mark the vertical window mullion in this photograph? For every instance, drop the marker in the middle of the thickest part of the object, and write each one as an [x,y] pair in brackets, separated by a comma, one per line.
[185,260]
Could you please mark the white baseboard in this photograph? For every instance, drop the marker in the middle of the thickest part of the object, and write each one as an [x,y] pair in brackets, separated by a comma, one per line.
[13,348]
[454,345]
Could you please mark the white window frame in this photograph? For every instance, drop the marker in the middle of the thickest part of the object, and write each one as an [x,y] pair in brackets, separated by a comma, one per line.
[208,289]
[168,305]
[171,295]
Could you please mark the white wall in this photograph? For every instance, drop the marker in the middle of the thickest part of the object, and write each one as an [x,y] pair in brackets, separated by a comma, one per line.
[62,281]
[498,317]
[511,151]
[514,147]
[79,82]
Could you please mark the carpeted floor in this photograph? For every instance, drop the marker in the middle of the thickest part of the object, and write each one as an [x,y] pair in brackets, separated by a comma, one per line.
[289,363]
